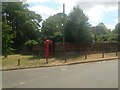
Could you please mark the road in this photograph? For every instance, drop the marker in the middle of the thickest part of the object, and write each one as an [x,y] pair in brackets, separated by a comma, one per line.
[88,75]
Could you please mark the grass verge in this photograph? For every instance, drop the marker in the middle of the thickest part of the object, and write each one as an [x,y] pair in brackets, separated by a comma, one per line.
[27,61]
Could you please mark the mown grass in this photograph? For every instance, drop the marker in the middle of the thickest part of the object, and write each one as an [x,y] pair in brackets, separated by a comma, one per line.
[35,61]
[25,61]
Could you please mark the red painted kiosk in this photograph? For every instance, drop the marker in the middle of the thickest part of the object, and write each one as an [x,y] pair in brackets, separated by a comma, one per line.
[48,48]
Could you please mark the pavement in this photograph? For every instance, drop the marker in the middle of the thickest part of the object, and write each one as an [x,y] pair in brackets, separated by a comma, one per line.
[102,74]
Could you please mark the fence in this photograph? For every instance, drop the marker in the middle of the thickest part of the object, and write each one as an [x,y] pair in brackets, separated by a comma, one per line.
[74,48]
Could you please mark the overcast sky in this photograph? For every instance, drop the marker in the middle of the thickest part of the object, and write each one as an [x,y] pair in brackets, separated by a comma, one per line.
[105,11]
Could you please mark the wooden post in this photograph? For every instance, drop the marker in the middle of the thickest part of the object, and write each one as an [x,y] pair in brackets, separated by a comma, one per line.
[18,62]
[102,54]
[85,55]
[47,60]
[116,53]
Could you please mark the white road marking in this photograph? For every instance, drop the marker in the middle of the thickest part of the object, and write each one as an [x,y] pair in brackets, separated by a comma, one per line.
[22,83]
[103,61]
[100,61]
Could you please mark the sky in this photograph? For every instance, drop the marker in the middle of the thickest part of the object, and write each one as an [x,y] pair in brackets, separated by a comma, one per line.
[105,11]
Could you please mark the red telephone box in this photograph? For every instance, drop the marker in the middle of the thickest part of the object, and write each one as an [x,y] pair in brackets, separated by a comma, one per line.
[48,48]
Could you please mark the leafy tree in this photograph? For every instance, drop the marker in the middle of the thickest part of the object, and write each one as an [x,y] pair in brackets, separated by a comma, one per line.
[52,27]
[100,29]
[113,38]
[30,44]
[102,38]
[117,29]
[7,37]
[77,27]
[24,23]
[101,33]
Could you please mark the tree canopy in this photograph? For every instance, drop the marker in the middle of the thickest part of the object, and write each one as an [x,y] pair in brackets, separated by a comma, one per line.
[20,27]
[21,22]
[100,29]
[77,27]
[52,27]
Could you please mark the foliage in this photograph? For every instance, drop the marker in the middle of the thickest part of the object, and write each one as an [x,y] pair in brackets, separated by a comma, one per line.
[7,37]
[113,38]
[117,29]
[52,27]
[100,29]
[102,38]
[30,44]
[101,33]
[77,27]
[21,26]
[24,23]
[115,34]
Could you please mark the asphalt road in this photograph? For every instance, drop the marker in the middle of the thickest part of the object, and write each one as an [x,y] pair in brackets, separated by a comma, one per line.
[88,75]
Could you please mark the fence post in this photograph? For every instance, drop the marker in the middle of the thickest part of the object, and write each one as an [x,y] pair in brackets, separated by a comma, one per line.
[18,62]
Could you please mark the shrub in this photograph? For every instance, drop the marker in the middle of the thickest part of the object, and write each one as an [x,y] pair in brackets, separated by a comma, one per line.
[30,44]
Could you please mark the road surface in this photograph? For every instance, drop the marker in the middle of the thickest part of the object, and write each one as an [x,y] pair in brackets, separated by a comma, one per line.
[88,75]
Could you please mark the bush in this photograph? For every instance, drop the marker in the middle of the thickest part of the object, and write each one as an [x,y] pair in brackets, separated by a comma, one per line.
[30,44]
[113,38]
[102,38]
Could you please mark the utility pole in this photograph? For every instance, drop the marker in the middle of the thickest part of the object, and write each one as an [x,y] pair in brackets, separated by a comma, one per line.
[63,32]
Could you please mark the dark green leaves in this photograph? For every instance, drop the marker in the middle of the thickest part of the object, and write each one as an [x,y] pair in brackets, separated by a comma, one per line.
[19,22]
